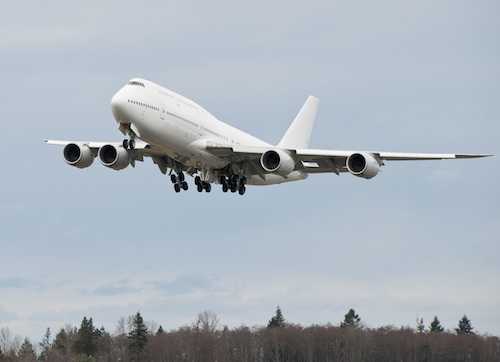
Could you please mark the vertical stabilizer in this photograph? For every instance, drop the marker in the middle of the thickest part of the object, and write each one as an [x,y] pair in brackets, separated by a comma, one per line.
[298,134]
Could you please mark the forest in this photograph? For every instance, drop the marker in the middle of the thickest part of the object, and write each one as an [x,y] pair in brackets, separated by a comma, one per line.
[206,340]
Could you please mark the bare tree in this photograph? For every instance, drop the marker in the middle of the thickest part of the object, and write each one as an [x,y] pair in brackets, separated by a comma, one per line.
[207,321]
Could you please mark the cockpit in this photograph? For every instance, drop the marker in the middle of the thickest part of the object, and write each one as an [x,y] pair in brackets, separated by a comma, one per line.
[133,82]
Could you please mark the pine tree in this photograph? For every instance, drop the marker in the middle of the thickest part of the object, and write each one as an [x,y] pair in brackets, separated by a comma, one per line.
[420,325]
[464,326]
[45,345]
[277,320]
[86,343]
[435,326]
[138,337]
[160,331]
[351,319]
[27,352]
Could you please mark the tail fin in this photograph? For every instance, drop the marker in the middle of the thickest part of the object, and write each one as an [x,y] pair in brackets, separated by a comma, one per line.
[299,132]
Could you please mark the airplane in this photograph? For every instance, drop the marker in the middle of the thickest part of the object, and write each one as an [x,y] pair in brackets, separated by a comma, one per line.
[182,137]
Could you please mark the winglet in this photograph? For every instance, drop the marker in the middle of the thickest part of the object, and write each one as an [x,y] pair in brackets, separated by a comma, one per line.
[299,132]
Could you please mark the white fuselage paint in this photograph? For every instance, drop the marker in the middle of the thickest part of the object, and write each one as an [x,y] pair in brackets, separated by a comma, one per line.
[182,128]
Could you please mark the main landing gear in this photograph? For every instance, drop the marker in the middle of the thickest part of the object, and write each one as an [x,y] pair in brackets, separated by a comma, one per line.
[128,144]
[202,185]
[179,182]
[233,183]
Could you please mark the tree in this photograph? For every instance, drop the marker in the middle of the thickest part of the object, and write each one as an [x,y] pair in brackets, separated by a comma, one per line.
[351,319]
[420,325]
[464,326]
[277,320]
[435,326]
[27,352]
[207,321]
[65,340]
[86,342]
[138,336]
[160,331]
[45,345]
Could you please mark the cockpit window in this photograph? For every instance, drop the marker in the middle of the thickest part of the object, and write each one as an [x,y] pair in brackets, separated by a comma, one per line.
[133,82]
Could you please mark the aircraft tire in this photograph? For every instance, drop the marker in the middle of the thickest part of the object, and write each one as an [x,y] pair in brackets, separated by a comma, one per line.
[177,188]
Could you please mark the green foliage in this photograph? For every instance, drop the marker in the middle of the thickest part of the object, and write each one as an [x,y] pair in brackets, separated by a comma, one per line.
[86,342]
[45,345]
[277,320]
[138,337]
[420,326]
[160,331]
[351,319]
[27,352]
[65,340]
[464,326]
[435,326]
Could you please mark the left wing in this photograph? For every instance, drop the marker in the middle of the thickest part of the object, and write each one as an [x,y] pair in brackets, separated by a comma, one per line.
[364,164]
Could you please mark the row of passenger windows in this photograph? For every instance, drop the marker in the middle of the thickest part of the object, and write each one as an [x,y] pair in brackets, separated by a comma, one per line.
[143,105]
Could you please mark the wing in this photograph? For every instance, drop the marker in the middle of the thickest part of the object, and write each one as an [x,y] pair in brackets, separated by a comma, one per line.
[360,163]
[318,161]
[81,154]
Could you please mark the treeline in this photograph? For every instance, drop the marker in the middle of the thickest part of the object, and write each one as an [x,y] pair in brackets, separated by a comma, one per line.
[206,340]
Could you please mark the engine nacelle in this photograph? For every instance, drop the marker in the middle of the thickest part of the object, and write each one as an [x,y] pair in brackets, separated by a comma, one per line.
[78,155]
[363,165]
[113,156]
[277,161]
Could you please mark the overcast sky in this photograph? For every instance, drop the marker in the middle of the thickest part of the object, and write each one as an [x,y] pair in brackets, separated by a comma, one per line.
[420,239]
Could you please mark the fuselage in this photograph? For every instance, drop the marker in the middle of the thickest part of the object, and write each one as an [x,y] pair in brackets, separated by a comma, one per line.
[180,127]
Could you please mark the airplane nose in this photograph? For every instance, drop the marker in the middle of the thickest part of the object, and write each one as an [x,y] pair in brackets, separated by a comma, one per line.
[118,107]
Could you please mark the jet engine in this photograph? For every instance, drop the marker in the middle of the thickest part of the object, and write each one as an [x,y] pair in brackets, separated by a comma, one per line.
[363,165]
[113,156]
[78,155]
[277,161]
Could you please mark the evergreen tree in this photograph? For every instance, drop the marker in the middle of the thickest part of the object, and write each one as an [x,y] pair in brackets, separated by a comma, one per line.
[351,319]
[277,320]
[45,345]
[435,326]
[86,342]
[420,325]
[160,331]
[138,336]
[464,326]
[27,352]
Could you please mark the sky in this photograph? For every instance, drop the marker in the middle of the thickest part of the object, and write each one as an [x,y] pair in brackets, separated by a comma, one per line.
[421,239]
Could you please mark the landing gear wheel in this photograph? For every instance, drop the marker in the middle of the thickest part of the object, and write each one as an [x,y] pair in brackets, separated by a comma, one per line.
[131,144]
[125,143]
[225,188]
[242,190]
[173,178]
[181,176]
[197,180]
[199,187]
[207,187]
[184,185]
[177,188]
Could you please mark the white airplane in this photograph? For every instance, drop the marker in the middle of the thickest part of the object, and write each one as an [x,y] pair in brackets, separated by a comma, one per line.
[181,136]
